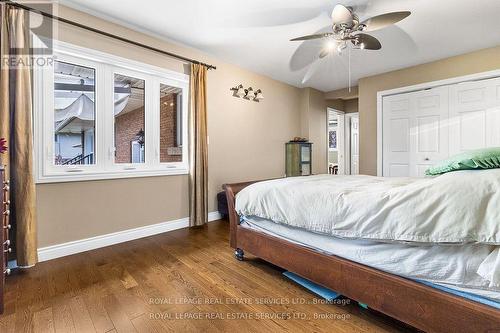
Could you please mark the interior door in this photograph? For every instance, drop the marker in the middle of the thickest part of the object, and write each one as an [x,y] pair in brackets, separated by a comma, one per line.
[354,145]
[397,111]
[474,115]
[415,131]
[429,134]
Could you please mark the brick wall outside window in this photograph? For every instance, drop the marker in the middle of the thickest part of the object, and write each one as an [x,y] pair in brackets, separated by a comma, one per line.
[168,128]
[128,125]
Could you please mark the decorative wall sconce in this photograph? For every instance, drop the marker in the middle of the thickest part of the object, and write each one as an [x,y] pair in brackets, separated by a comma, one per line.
[258,95]
[248,94]
[239,91]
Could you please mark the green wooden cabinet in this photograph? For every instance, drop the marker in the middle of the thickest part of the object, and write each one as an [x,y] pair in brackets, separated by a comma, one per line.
[298,159]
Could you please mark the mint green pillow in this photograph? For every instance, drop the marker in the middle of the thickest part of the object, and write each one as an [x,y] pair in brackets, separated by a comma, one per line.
[486,158]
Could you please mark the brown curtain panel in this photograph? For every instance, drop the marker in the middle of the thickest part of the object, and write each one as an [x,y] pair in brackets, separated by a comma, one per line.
[16,128]
[198,148]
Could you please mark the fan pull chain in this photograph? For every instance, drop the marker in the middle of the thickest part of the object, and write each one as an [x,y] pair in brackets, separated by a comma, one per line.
[349,55]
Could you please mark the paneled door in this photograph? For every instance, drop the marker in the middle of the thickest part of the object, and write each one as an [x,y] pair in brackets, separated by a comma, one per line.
[397,115]
[415,131]
[474,115]
[429,134]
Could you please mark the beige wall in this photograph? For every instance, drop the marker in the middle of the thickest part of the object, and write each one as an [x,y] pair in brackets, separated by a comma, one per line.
[336,103]
[304,113]
[475,62]
[246,142]
[340,104]
[344,93]
[318,130]
[351,105]
[313,126]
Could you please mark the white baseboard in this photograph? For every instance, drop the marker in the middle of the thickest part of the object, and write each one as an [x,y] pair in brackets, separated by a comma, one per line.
[214,216]
[82,245]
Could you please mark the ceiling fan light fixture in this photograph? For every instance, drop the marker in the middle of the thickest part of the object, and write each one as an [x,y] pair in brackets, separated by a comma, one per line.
[331,44]
[342,15]
[349,33]
[341,46]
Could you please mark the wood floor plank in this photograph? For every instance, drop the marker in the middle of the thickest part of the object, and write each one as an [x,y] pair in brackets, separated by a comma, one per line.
[63,319]
[43,321]
[144,323]
[24,320]
[182,281]
[98,314]
[127,279]
[119,318]
[8,323]
[81,317]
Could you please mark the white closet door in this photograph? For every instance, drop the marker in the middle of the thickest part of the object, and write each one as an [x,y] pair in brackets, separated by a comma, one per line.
[397,112]
[474,115]
[429,133]
[415,132]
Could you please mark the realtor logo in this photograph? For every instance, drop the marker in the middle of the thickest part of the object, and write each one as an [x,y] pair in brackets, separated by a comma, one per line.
[41,27]
[30,40]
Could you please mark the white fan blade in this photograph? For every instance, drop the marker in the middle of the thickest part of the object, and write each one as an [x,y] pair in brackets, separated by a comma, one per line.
[384,20]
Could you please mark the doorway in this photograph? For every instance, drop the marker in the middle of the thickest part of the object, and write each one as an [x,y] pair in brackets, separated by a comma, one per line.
[336,140]
[343,142]
[352,148]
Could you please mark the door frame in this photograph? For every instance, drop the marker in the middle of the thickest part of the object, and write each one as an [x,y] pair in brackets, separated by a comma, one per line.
[347,145]
[342,114]
[422,86]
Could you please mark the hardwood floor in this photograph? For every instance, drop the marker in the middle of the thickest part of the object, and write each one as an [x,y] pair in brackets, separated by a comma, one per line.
[183,281]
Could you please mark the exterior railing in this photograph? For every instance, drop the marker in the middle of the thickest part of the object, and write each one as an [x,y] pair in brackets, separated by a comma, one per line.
[80,159]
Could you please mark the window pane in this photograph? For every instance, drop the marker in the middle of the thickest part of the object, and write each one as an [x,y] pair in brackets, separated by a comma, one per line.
[170,124]
[129,119]
[74,114]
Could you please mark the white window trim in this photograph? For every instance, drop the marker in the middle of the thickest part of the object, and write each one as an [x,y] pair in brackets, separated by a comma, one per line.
[104,168]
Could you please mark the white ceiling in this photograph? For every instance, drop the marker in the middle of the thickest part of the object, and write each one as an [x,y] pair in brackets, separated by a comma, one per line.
[255,34]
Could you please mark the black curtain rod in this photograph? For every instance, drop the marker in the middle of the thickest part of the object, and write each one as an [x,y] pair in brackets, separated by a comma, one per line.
[107,34]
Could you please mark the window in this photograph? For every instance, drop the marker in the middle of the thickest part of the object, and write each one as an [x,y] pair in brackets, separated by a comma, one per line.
[170,124]
[99,116]
[129,116]
[74,114]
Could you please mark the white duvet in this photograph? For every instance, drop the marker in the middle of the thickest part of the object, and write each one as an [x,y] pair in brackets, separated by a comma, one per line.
[454,208]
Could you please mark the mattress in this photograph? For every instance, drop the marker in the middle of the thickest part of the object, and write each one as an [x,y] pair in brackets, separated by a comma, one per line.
[452,267]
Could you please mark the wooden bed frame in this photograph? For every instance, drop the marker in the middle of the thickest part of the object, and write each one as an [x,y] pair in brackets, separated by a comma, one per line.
[418,305]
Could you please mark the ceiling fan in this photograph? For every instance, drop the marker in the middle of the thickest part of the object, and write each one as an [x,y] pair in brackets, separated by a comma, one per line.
[347,29]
